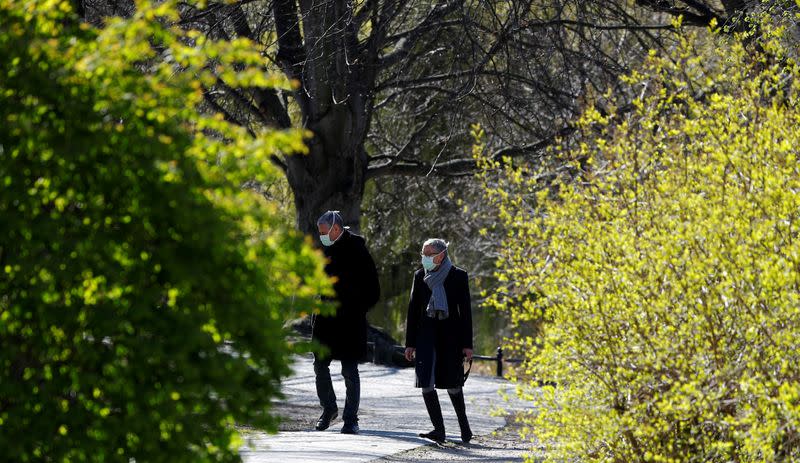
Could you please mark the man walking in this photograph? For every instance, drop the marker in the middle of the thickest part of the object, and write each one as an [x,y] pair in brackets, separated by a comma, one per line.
[344,334]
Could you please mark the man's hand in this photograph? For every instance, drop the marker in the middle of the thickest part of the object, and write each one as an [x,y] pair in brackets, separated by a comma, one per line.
[410,353]
[467,353]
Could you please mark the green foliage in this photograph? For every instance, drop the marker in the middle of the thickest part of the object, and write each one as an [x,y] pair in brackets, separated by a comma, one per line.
[141,289]
[664,259]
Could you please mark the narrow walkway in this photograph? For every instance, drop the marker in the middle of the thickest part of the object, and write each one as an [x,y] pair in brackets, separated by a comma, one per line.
[392,413]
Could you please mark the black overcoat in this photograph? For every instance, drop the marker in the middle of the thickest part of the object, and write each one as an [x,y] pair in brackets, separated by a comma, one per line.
[357,290]
[446,338]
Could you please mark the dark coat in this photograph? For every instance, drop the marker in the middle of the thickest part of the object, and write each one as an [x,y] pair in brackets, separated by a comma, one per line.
[444,338]
[357,290]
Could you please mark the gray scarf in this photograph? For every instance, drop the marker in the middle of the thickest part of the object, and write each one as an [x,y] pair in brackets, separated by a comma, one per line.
[437,305]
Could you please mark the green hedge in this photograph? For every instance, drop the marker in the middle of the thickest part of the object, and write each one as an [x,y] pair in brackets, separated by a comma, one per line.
[664,260]
[141,290]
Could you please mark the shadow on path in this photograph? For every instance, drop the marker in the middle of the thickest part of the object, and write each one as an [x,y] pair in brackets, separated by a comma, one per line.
[391,415]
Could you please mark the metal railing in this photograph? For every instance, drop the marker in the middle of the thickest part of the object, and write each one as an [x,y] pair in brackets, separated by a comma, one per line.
[498,358]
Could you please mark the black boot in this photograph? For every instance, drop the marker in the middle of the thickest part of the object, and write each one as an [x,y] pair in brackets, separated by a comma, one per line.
[435,412]
[461,413]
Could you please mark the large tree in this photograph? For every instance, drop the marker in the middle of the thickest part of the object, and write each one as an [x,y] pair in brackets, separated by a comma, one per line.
[388,87]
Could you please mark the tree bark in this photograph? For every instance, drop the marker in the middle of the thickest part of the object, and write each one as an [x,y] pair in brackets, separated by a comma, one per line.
[335,106]
[331,176]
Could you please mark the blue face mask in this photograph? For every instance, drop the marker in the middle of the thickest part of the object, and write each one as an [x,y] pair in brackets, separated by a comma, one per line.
[427,262]
[326,239]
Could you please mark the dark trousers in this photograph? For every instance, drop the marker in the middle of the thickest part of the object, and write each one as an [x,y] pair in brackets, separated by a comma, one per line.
[352,382]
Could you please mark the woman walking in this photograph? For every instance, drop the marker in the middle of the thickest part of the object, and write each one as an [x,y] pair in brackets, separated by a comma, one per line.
[439,334]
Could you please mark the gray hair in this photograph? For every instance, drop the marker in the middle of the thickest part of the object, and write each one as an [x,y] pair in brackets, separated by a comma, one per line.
[437,244]
[330,219]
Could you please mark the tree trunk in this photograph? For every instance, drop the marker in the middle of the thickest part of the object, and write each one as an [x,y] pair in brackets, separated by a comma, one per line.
[327,179]
[335,105]
[333,174]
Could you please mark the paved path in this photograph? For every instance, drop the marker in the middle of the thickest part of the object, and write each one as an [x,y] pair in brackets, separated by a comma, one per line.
[391,414]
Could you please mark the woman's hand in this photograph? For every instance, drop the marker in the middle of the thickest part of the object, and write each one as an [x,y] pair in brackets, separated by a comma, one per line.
[467,353]
[410,353]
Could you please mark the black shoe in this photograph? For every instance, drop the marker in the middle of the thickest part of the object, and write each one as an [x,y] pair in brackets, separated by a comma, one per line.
[324,421]
[434,436]
[350,428]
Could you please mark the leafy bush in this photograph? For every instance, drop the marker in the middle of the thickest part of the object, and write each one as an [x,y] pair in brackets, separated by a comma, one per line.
[141,289]
[664,259]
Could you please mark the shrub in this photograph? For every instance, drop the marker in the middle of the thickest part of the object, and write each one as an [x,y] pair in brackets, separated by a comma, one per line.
[664,260]
[141,289]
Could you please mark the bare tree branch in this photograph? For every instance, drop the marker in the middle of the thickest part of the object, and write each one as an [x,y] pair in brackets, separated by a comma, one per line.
[291,54]
[410,38]
[230,118]
[465,166]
